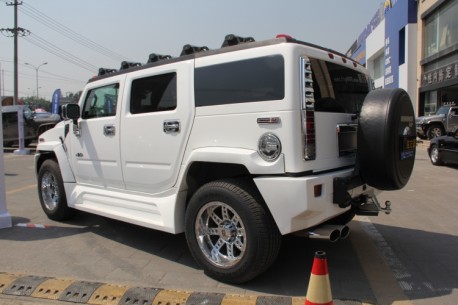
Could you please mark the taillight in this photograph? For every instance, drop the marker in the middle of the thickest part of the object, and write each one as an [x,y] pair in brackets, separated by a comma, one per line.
[307,110]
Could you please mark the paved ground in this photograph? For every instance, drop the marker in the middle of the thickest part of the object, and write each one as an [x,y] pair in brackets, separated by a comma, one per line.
[97,251]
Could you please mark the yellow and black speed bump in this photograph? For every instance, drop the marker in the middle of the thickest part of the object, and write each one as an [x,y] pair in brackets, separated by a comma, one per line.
[94,293]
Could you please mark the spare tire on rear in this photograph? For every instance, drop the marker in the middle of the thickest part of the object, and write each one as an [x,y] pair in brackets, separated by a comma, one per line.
[386,139]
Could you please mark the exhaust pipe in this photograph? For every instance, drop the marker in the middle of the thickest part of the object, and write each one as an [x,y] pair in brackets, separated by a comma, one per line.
[330,232]
[325,232]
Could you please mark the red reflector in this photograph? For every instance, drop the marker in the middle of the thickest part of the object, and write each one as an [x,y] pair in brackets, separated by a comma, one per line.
[344,60]
[354,64]
[284,36]
[318,190]
[331,56]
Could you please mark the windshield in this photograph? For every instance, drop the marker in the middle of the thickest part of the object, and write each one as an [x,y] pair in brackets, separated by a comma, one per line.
[443,110]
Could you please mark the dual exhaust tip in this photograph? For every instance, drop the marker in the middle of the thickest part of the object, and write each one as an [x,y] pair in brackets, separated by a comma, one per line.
[329,232]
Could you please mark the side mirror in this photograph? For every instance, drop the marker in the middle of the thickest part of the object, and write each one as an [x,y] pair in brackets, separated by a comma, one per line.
[72,112]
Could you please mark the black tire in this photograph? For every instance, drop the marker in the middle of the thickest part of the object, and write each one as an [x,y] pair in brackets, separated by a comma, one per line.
[386,139]
[229,233]
[52,193]
[434,155]
[435,130]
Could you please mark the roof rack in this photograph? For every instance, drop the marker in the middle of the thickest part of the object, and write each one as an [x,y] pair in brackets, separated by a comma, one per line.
[127,65]
[103,71]
[153,57]
[189,49]
[232,40]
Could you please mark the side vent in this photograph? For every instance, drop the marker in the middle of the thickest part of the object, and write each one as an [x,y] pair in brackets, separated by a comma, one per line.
[307,110]
[127,65]
[232,40]
[189,49]
[153,57]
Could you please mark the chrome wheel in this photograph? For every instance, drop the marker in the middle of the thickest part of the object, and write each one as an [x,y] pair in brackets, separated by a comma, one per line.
[49,191]
[434,154]
[220,234]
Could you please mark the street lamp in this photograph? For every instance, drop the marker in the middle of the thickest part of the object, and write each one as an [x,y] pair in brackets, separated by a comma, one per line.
[36,71]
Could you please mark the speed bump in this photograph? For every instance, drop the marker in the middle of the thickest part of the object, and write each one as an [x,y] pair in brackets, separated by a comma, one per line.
[6,280]
[95,293]
[51,289]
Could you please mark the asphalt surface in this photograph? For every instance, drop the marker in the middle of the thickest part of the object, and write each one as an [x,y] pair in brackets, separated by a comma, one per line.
[96,260]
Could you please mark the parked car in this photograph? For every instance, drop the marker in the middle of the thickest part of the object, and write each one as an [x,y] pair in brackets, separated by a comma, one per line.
[444,149]
[35,123]
[443,121]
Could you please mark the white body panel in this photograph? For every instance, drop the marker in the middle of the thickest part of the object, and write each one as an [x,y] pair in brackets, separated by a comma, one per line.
[138,174]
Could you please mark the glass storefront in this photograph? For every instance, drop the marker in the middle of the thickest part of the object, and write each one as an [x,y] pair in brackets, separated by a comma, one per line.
[441,29]
[439,78]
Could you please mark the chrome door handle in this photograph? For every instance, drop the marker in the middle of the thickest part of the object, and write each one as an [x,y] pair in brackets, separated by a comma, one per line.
[109,130]
[171,126]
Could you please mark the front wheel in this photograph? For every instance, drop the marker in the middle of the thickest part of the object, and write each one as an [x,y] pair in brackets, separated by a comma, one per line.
[434,131]
[434,155]
[51,191]
[229,233]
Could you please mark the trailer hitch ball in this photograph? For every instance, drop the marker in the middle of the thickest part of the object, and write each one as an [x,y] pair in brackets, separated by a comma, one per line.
[387,207]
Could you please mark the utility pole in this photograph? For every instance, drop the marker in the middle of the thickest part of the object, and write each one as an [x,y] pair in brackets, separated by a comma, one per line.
[16,31]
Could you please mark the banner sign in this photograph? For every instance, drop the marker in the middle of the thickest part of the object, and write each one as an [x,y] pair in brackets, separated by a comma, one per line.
[55,102]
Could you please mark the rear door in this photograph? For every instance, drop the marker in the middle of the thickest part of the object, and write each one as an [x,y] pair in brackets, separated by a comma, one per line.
[159,111]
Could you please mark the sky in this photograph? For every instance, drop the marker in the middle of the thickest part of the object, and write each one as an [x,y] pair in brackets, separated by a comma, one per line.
[76,37]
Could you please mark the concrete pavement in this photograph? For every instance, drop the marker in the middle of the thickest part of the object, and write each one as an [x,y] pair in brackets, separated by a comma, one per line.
[110,262]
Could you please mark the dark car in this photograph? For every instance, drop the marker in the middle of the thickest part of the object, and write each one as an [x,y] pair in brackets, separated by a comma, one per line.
[444,149]
[35,123]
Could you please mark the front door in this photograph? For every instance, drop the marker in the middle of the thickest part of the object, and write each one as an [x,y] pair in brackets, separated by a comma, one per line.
[94,152]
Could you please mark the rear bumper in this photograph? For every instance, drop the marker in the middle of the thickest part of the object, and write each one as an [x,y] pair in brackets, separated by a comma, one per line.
[296,206]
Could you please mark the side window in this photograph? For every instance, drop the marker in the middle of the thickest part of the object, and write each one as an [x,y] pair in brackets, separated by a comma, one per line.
[251,80]
[101,102]
[154,93]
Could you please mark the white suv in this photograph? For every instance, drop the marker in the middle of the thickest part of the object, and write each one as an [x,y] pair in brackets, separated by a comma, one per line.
[235,147]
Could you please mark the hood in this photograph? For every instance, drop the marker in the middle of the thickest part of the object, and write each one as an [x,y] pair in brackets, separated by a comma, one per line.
[429,118]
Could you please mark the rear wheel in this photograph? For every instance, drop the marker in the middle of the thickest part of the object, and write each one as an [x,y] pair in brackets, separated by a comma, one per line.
[51,191]
[229,233]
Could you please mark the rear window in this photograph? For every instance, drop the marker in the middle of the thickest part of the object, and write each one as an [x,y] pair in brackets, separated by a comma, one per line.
[338,88]
[252,80]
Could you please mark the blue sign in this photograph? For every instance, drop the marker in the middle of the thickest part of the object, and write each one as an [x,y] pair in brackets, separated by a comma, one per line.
[55,102]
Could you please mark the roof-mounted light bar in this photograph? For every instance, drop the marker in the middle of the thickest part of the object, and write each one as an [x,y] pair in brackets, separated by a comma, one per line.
[103,71]
[189,49]
[232,40]
[153,57]
[127,65]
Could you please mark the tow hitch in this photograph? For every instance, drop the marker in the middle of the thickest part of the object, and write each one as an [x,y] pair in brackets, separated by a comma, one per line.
[370,206]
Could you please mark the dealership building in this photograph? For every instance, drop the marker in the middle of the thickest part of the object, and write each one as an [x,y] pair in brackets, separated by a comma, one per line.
[413,44]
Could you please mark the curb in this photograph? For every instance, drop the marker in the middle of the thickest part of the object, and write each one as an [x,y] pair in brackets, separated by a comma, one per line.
[95,293]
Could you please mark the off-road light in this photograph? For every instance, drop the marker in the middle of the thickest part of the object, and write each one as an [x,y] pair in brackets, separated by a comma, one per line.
[269,147]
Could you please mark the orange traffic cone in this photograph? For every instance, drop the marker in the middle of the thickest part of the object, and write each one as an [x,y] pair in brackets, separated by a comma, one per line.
[319,290]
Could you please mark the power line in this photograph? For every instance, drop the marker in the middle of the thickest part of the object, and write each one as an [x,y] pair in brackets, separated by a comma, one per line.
[53,49]
[69,33]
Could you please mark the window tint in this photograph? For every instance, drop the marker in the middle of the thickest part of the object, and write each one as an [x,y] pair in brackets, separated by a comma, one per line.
[338,88]
[101,102]
[252,80]
[154,93]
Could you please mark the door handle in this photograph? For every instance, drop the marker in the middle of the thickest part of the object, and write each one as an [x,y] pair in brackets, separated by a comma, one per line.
[109,130]
[172,126]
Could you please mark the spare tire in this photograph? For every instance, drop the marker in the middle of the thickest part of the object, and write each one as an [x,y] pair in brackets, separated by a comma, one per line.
[386,139]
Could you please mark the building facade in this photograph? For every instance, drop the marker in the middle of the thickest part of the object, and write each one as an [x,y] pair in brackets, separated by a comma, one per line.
[438,54]
[388,47]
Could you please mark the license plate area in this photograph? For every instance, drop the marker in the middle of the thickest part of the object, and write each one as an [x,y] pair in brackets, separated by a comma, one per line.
[347,139]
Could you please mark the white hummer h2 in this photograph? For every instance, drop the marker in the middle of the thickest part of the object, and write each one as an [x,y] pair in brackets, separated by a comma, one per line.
[235,147]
